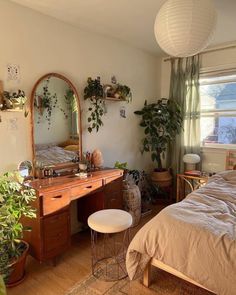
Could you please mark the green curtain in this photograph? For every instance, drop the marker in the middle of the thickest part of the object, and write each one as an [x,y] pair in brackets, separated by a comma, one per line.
[184,89]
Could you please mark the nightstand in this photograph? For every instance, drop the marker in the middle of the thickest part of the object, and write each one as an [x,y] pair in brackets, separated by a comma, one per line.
[188,183]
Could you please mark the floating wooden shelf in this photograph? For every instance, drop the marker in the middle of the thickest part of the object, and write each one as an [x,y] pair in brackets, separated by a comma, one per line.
[113,98]
[11,110]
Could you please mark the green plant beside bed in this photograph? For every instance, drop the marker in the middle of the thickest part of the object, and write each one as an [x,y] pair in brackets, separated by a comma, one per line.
[15,199]
[161,121]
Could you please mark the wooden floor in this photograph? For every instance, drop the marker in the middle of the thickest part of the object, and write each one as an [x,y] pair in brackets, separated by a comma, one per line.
[73,266]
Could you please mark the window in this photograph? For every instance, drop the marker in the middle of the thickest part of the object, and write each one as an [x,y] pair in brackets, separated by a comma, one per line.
[218,108]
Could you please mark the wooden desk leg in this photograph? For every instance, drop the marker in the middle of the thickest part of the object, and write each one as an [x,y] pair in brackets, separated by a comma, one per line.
[147,275]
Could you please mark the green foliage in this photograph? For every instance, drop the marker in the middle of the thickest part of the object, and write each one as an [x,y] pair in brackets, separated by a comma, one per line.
[11,100]
[124,92]
[45,102]
[161,121]
[123,166]
[15,200]
[94,92]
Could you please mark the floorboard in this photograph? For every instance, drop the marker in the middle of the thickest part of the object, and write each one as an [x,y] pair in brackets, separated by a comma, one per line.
[72,267]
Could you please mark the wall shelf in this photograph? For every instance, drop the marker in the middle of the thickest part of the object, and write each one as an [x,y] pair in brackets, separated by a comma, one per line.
[110,98]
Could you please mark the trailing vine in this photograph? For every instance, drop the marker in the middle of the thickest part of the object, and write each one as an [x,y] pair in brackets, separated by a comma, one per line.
[47,101]
[98,93]
[94,92]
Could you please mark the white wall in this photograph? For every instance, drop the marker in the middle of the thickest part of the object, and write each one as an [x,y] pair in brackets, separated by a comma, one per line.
[213,160]
[40,44]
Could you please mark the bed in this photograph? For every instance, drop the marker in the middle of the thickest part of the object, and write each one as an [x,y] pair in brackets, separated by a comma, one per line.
[194,239]
[47,155]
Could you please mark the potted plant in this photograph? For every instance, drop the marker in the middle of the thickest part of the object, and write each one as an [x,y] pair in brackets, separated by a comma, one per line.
[94,92]
[123,92]
[15,200]
[45,101]
[161,121]
[14,100]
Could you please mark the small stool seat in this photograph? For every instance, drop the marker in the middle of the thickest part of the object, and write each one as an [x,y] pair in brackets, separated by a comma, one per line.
[109,242]
[110,221]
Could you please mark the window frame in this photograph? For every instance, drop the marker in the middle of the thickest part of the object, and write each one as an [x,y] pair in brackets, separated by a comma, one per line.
[214,72]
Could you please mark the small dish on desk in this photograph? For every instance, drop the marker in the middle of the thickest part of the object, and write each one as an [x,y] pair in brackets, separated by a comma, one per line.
[82,174]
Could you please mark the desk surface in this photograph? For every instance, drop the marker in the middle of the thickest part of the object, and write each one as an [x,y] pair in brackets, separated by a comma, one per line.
[47,184]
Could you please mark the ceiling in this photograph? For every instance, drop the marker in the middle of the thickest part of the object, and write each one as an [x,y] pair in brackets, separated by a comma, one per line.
[131,21]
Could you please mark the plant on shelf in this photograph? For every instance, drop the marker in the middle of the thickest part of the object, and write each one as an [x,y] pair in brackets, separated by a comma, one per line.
[14,100]
[94,92]
[15,200]
[161,121]
[117,91]
[123,92]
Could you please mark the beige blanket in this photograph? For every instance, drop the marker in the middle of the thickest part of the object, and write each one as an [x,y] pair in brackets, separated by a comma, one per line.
[196,236]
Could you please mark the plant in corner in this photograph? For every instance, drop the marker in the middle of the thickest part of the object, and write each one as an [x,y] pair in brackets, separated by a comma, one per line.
[161,121]
[94,92]
[15,200]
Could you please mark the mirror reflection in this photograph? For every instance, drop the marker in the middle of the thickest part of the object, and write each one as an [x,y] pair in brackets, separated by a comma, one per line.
[25,169]
[56,122]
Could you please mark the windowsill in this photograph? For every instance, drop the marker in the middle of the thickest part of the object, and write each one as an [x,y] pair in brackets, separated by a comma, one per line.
[218,147]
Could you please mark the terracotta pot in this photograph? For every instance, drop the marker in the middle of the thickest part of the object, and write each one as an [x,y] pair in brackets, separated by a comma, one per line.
[18,268]
[162,178]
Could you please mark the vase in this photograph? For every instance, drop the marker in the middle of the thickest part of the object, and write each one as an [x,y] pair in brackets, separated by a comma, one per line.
[97,158]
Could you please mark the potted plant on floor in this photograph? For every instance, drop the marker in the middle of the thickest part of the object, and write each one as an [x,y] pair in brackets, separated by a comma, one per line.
[161,121]
[15,199]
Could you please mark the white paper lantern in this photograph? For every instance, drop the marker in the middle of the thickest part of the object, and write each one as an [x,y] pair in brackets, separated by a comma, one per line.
[185,27]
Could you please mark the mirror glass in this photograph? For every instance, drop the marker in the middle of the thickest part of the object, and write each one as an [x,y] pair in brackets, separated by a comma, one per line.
[56,123]
[25,169]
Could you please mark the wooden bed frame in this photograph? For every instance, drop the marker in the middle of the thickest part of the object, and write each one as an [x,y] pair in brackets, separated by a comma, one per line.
[161,265]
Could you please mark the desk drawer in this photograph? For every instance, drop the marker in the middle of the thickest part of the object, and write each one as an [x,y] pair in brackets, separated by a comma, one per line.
[113,178]
[55,201]
[56,232]
[84,189]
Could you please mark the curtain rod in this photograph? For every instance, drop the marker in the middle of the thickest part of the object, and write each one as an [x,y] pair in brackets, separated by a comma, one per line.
[223,47]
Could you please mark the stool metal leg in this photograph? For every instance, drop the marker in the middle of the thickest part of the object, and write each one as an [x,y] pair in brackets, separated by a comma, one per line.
[109,254]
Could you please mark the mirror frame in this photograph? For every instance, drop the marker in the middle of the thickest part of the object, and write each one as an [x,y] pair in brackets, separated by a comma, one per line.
[56,75]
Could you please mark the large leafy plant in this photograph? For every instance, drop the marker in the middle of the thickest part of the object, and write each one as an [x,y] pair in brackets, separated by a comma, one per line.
[94,92]
[161,121]
[15,199]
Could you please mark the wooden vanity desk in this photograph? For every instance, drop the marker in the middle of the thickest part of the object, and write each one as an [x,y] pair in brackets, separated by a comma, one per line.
[51,233]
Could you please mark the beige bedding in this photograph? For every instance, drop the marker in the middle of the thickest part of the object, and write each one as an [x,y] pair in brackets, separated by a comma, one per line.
[196,236]
[53,155]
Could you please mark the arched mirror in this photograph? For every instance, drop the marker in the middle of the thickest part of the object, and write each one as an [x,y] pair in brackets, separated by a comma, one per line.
[56,123]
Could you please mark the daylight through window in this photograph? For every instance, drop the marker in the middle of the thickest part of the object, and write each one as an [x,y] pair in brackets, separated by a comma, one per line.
[218,108]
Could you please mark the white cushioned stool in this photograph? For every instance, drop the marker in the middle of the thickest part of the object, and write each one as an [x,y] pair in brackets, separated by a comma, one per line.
[109,242]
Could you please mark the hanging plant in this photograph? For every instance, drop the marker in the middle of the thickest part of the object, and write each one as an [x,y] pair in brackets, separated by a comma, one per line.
[45,102]
[94,92]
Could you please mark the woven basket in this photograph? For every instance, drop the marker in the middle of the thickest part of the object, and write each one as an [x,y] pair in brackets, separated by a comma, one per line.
[132,202]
